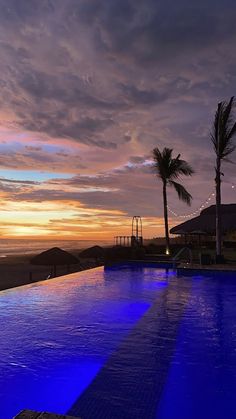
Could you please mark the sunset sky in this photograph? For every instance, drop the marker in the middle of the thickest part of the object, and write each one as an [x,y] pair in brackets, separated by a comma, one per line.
[88,89]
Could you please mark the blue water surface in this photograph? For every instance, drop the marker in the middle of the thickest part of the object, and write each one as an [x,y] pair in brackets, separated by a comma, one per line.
[56,335]
[130,342]
[201,382]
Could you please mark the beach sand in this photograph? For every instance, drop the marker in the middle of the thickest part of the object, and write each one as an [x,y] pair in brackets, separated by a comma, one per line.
[17,270]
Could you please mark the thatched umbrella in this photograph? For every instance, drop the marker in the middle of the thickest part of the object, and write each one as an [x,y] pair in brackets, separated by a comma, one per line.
[54,257]
[94,252]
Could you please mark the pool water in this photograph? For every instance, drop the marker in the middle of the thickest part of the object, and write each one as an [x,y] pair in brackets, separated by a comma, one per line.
[127,342]
[201,381]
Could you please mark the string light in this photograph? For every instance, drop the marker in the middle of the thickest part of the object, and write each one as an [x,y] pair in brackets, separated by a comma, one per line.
[196,212]
[199,209]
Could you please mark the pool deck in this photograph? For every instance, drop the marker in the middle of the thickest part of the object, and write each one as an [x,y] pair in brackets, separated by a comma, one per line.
[180,267]
[212,267]
[208,270]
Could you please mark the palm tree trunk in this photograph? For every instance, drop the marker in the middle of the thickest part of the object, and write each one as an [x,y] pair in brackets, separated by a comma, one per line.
[166,219]
[218,208]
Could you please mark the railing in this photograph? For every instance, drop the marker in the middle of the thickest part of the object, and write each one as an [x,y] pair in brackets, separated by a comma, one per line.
[128,241]
[122,241]
[180,252]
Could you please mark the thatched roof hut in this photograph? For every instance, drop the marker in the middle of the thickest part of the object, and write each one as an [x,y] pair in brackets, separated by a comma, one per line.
[94,252]
[205,222]
[54,257]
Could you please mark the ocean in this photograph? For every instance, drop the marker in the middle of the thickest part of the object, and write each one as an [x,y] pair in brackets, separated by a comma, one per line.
[13,247]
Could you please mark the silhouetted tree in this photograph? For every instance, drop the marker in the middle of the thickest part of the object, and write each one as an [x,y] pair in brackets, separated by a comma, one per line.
[169,169]
[222,136]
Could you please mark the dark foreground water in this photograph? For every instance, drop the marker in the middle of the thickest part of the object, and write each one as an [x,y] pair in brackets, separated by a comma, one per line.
[132,342]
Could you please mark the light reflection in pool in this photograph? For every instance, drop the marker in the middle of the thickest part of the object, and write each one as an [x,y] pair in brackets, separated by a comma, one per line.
[56,335]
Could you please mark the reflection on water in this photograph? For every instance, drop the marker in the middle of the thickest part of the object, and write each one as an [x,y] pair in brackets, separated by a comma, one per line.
[139,339]
[130,383]
[201,382]
[56,335]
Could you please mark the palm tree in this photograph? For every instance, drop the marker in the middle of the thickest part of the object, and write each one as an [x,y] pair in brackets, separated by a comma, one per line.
[222,135]
[169,169]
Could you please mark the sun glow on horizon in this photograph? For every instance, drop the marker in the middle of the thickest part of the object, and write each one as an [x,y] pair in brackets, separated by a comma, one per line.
[81,112]
[63,220]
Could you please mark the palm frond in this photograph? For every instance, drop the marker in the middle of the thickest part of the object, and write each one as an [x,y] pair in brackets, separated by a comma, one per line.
[180,167]
[224,130]
[183,194]
[227,114]
[168,167]
[230,146]
[162,162]
[215,129]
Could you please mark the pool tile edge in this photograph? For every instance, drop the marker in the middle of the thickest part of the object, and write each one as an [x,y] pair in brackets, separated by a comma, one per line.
[31,414]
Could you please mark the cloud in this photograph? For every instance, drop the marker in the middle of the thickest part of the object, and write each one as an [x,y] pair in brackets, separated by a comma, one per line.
[38,158]
[20,182]
[118,190]
[89,88]
[153,31]
[77,74]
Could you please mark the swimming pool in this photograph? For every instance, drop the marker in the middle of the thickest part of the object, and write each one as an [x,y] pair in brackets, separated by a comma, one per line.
[126,342]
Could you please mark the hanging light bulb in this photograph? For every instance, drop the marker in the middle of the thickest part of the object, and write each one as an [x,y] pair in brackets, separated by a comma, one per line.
[194,212]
